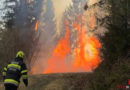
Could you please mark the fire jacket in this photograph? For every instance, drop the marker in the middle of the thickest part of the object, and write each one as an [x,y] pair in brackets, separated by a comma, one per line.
[14,71]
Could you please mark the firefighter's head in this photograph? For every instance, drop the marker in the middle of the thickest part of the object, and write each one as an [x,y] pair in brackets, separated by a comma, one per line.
[20,54]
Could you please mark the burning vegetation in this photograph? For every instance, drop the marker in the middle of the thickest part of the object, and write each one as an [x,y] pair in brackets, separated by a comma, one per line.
[84,58]
[80,54]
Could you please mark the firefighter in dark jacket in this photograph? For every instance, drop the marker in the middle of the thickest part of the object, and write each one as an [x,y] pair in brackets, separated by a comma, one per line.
[14,71]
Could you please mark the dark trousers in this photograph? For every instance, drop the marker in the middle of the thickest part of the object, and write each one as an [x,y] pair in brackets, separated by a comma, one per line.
[10,87]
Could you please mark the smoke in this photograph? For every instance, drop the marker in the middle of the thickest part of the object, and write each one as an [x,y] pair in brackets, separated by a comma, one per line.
[91,2]
[49,32]
[96,10]
[25,15]
[59,7]
[46,58]
[47,39]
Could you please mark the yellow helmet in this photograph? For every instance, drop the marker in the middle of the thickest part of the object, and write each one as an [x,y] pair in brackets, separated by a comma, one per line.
[20,54]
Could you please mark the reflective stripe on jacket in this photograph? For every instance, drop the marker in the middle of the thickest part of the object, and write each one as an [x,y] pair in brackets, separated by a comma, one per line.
[14,71]
[11,81]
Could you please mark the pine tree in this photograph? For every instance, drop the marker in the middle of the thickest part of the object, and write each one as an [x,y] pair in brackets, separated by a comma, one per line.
[49,26]
[73,15]
[75,10]
[117,40]
[49,17]
[10,14]
[18,33]
[116,46]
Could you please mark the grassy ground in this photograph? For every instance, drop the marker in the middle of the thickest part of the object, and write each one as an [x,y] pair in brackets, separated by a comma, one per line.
[55,82]
[101,79]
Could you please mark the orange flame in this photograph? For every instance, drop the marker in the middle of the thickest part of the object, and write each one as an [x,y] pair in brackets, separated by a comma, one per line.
[57,62]
[36,26]
[83,58]
[86,54]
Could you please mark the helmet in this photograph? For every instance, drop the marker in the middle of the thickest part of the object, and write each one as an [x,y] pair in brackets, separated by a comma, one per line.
[20,54]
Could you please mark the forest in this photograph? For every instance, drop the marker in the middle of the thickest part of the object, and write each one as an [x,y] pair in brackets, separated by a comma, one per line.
[30,26]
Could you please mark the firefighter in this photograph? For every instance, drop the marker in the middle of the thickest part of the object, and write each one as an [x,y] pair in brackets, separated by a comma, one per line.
[14,71]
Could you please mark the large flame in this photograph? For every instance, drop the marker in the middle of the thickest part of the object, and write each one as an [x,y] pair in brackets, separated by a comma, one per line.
[56,63]
[85,55]
[87,52]
[82,57]
[73,54]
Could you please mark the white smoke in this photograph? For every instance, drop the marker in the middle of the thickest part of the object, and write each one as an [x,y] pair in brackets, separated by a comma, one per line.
[91,2]
[59,7]
[98,12]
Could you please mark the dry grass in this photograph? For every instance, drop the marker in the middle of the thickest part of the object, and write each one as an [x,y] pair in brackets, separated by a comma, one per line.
[54,82]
